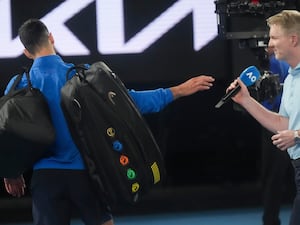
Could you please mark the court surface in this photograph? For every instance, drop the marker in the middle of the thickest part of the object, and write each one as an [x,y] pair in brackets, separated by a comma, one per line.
[246,216]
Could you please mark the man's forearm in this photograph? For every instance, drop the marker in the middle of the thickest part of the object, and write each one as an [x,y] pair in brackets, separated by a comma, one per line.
[270,120]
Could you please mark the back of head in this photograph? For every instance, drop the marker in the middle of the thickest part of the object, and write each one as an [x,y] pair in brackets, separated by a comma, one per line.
[33,35]
[288,20]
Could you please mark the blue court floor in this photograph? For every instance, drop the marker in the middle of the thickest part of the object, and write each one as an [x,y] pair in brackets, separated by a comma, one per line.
[248,216]
[238,204]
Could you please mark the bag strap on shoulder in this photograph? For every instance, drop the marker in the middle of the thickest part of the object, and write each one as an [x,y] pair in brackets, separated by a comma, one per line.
[25,70]
[78,71]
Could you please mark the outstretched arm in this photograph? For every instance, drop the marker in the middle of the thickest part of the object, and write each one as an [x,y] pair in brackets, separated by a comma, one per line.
[193,85]
[15,186]
[150,101]
[270,120]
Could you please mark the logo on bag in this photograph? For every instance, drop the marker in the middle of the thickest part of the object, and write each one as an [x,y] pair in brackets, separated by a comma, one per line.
[131,174]
[111,132]
[124,160]
[117,146]
[135,187]
[111,95]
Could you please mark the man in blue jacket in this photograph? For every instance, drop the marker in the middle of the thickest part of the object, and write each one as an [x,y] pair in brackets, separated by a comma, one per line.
[60,181]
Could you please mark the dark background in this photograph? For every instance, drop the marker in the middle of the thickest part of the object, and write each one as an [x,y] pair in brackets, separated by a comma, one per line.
[212,155]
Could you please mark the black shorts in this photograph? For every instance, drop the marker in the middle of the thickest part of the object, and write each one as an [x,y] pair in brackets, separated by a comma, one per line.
[56,193]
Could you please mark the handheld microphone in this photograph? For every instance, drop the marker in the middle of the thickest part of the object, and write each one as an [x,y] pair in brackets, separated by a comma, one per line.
[249,76]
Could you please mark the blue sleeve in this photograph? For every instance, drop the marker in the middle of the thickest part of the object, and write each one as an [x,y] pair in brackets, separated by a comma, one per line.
[22,83]
[281,68]
[151,101]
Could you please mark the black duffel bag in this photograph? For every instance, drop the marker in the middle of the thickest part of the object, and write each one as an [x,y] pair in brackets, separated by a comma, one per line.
[26,129]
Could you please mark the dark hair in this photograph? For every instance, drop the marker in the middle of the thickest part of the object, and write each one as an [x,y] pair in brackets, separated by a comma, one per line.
[33,35]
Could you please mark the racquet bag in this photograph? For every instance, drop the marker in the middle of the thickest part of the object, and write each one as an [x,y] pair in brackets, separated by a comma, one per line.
[118,148]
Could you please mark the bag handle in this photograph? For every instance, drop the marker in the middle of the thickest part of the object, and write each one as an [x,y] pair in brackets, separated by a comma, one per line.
[19,78]
[78,68]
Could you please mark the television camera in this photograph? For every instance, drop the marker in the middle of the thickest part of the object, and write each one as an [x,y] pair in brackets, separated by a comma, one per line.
[245,21]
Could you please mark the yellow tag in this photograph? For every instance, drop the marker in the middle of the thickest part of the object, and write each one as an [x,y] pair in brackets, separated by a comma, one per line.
[155,171]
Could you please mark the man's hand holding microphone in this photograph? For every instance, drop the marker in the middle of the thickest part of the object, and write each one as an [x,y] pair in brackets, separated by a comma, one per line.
[237,90]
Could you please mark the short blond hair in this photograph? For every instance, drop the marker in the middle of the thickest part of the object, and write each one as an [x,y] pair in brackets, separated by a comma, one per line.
[289,20]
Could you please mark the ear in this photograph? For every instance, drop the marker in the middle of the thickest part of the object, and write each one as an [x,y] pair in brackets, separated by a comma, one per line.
[28,54]
[51,39]
[295,40]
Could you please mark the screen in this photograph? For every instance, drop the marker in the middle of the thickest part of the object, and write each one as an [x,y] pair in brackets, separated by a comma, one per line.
[143,42]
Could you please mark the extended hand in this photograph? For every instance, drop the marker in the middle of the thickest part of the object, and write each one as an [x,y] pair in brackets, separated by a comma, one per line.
[15,186]
[193,85]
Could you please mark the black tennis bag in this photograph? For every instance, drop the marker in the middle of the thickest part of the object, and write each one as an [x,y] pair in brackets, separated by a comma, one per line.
[26,129]
[122,157]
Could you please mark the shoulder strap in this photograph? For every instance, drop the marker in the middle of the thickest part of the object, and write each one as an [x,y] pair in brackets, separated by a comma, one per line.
[78,68]
[19,78]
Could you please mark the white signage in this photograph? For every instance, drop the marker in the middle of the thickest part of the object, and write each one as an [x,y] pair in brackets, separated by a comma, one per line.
[110,27]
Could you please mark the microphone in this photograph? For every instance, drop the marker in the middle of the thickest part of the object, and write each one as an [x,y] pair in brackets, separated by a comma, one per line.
[249,76]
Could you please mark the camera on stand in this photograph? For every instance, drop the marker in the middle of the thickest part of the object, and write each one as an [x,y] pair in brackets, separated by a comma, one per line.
[267,87]
[245,21]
